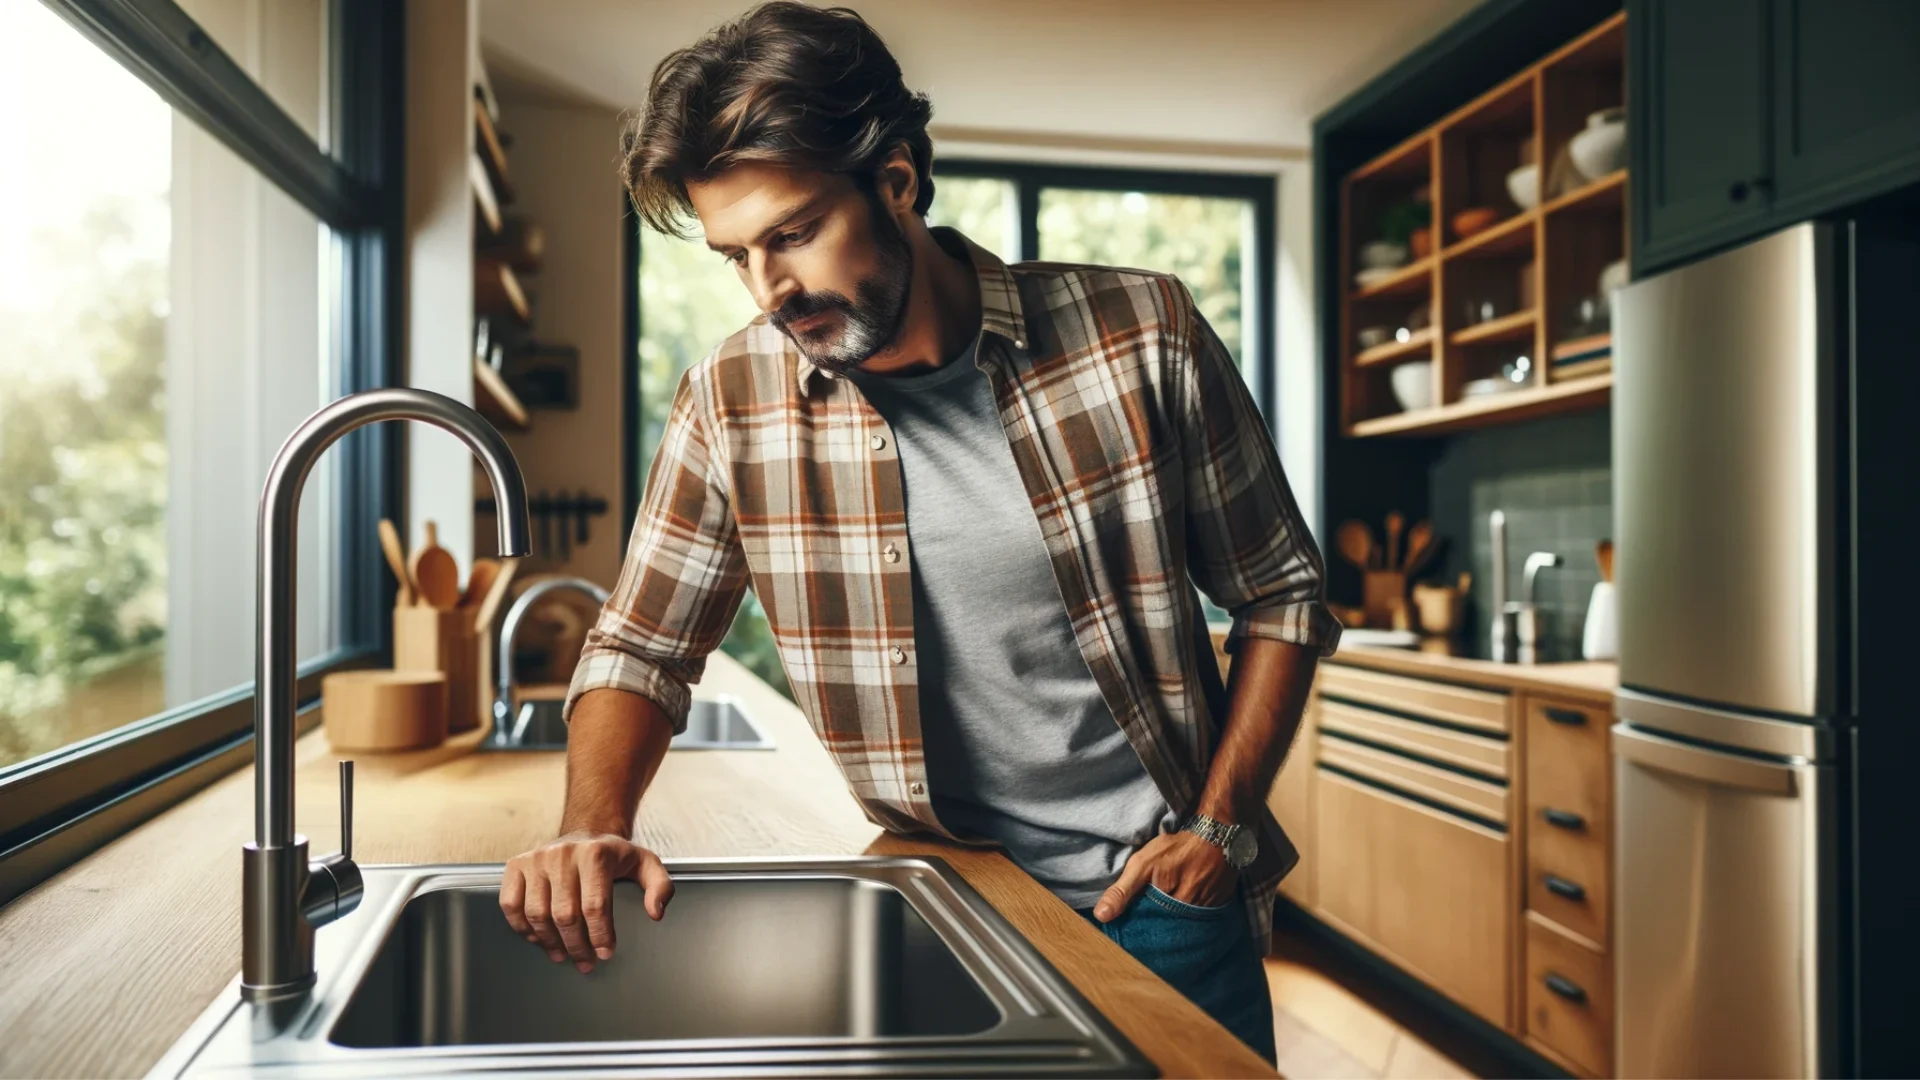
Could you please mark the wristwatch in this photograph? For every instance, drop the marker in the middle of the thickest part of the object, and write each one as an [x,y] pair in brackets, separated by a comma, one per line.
[1236,840]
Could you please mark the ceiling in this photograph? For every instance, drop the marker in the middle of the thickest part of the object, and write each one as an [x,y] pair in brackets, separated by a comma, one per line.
[1251,72]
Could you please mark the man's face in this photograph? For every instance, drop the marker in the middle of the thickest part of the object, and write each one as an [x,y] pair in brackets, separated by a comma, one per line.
[827,263]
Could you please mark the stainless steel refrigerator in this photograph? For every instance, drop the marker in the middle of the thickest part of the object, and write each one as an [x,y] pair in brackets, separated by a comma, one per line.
[1759,926]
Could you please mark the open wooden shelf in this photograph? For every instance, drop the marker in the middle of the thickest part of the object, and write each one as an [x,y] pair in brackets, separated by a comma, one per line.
[497,292]
[485,201]
[491,152]
[1417,346]
[1541,264]
[1411,278]
[496,401]
[1514,327]
[1570,395]
[1509,237]
[1607,193]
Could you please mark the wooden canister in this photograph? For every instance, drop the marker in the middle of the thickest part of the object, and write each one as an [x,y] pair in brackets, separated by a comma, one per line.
[432,639]
[372,711]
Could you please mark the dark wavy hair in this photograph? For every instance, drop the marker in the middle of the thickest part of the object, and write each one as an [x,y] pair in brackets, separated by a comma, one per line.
[786,84]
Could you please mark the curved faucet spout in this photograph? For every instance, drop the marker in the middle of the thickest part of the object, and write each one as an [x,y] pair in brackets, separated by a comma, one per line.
[274,669]
[285,895]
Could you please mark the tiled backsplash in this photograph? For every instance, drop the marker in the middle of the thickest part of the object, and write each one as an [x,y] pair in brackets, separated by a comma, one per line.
[1554,480]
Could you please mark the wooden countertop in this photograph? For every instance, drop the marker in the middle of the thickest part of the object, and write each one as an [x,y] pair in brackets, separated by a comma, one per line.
[1588,680]
[107,963]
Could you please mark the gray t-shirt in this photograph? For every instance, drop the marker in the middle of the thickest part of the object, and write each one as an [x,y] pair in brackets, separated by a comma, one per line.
[1020,746]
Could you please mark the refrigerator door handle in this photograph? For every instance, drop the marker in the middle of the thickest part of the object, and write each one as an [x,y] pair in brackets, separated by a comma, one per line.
[1700,763]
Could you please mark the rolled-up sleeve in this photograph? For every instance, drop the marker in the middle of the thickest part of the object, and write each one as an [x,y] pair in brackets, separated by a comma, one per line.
[683,577]
[1248,548]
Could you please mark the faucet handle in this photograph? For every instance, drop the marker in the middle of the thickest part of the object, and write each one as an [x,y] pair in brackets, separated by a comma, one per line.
[346,810]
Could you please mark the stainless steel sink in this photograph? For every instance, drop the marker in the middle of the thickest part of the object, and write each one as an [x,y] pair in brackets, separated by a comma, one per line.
[861,966]
[718,724]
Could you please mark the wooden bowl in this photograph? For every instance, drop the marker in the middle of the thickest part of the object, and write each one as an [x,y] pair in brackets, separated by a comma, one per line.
[1476,219]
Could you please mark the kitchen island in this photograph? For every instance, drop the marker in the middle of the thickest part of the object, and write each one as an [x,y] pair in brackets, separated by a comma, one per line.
[109,962]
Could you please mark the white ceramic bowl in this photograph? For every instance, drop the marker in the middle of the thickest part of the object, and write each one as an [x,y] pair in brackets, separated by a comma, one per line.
[1383,254]
[1374,335]
[1413,385]
[1523,186]
[1602,148]
[1613,276]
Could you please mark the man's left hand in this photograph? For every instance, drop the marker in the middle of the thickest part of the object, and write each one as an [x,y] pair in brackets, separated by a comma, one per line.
[1180,864]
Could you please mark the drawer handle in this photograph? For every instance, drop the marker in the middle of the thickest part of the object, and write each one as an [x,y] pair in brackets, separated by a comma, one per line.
[1564,819]
[1572,717]
[1560,886]
[1566,988]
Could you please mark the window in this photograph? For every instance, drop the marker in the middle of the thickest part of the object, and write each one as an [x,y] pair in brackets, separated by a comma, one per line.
[173,302]
[1216,232]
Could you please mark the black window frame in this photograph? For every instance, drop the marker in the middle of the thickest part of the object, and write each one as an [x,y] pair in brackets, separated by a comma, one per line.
[1029,178]
[57,808]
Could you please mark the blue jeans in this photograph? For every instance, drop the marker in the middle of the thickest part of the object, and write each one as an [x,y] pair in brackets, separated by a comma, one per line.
[1206,953]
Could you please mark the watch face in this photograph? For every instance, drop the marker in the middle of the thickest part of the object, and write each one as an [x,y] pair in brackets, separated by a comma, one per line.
[1241,849]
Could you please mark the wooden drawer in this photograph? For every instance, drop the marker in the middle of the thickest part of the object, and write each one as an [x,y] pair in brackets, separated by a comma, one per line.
[1569,815]
[1480,798]
[1475,753]
[1451,704]
[1423,888]
[1568,1000]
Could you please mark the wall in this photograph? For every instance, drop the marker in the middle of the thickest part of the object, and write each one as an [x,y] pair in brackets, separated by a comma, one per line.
[1554,480]
[562,166]
[441,43]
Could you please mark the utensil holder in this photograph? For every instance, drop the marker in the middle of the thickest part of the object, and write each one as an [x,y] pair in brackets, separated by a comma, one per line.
[432,639]
[1383,592]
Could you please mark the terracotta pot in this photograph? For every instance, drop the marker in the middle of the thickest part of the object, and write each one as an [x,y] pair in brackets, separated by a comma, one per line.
[1468,222]
[1421,242]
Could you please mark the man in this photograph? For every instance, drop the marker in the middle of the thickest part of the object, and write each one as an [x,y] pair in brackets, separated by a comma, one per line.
[974,500]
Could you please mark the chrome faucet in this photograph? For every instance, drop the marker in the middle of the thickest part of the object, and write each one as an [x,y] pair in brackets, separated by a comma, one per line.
[1527,611]
[284,896]
[503,695]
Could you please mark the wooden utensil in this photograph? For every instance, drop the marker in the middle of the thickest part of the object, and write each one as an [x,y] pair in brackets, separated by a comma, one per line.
[396,560]
[1421,545]
[435,575]
[490,604]
[479,582]
[1355,543]
[1396,524]
[1603,553]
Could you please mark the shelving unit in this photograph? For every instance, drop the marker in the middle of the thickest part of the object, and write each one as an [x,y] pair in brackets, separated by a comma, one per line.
[1512,290]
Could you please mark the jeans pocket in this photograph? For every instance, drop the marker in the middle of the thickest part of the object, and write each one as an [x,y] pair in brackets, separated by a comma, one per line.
[1175,906]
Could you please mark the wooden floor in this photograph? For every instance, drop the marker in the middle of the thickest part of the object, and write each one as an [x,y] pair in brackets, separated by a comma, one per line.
[1330,1024]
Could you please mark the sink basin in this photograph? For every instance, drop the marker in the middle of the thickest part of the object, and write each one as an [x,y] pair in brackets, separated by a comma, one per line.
[724,965]
[869,966]
[716,724]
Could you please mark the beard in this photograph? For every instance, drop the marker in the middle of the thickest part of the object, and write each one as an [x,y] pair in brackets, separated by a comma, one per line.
[871,320]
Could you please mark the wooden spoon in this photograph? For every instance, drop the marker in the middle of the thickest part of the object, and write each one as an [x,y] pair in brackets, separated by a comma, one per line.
[1603,553]
[490,603]
[1396,524]
[1355,544]
[479,581]
[1421,545]
[396,560]
[435,574]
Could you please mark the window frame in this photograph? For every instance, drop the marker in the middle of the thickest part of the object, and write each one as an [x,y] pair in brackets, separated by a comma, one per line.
[57,808]
[1029,178]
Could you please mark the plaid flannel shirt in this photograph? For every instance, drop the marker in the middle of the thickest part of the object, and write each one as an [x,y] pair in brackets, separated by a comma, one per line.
[1146,463]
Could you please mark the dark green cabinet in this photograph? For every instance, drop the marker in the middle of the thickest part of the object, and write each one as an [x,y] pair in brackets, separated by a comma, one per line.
[1748,115]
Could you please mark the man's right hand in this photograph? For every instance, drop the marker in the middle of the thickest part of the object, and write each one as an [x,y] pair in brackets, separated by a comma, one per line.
[559,896]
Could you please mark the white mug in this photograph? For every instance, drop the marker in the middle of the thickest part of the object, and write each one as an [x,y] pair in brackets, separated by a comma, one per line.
[1601,641]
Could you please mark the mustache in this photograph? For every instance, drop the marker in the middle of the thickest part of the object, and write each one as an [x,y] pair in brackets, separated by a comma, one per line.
[806,305]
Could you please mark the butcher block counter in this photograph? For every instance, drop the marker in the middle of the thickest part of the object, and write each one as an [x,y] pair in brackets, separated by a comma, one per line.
[108,963]
[1590,680]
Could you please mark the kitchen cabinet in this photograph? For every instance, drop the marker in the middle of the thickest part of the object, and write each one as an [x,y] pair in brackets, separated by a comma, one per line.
[1749,115]
[1461,828]
[1291,801]
[1424,888]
